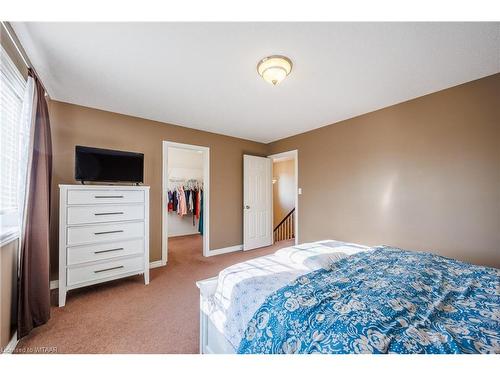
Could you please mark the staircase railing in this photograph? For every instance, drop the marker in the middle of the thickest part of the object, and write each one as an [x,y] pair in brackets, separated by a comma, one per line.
[285,230]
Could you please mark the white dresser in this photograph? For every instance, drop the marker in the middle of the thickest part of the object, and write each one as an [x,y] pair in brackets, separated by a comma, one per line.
[103,234]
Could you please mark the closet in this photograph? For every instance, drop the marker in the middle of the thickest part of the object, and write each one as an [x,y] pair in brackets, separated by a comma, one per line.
[185,192]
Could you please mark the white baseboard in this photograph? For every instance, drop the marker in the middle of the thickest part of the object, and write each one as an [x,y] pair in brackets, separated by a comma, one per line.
[225,250]
[183,234]
[54,284]
[156,264]
[11,346]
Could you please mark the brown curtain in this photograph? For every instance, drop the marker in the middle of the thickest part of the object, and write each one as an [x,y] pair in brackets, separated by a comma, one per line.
[33,283]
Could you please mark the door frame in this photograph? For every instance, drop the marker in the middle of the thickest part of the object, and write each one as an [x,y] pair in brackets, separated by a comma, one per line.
[206,196]
[295,155]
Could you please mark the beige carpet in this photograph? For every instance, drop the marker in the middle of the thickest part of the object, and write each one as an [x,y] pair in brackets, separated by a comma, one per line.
[125,316]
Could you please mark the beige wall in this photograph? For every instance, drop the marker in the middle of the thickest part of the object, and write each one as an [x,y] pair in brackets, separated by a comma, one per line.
[424,174]
[8,291]
[75,125]
[283,189]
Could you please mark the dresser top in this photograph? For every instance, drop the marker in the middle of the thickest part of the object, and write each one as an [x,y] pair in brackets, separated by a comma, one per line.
[107,187]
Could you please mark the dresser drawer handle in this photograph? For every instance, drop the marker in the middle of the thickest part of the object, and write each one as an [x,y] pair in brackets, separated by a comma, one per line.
[109,232]
[107,251]
[109,269]
[108,196]
[108,213]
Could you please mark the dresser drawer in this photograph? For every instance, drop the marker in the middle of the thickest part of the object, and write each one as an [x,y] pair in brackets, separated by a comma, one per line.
[104,196]
[93,272]
[90,253]
[104,232]
[105,213]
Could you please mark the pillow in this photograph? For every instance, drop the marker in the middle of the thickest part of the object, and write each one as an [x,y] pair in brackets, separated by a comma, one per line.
[323,260]
[318,255]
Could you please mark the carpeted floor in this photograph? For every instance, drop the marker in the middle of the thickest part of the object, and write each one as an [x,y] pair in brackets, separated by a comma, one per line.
[125,316]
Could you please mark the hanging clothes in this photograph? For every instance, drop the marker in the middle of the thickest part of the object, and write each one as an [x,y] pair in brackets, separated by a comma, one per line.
[175,202]
[182,208]
[186,198]
[191,200]
[200,222]
[170,205]
[191,205]
[193,194]
[198,203]
[187,193]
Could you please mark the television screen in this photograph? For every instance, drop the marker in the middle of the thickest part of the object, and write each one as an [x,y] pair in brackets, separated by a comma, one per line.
[97,164]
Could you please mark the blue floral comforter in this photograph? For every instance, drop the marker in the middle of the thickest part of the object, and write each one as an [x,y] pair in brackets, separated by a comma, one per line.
[386,300]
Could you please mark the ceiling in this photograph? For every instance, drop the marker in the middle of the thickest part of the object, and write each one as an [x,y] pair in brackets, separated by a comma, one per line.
[203,75]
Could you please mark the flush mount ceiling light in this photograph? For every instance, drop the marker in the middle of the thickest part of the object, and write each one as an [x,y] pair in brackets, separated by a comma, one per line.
[274,68]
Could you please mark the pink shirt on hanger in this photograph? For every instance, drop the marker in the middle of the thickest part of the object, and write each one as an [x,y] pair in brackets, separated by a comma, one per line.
[182,208]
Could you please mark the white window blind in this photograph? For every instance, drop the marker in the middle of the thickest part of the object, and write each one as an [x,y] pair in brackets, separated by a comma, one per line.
[13,137]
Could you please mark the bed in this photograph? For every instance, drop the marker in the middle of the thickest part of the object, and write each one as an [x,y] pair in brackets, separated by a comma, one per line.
[336,297]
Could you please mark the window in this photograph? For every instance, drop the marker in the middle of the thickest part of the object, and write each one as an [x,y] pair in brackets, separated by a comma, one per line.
[14,137]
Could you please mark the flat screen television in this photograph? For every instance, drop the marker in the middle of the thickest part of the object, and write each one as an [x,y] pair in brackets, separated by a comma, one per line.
[97,164]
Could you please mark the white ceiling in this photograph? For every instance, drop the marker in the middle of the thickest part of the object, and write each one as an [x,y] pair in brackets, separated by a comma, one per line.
[203,75]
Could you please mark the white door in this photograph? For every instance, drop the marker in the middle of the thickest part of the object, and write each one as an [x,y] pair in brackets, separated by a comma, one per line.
[257,202]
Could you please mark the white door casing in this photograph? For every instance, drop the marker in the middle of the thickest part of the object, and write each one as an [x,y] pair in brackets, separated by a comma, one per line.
[294,154]
[257,202]
[206,196]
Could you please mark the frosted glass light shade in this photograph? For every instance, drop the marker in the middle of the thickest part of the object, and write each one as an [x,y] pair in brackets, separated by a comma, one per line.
[274,69]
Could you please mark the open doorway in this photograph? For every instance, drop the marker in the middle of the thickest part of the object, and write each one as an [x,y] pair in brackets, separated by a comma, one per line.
[185,198]
[285,196]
